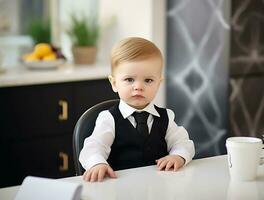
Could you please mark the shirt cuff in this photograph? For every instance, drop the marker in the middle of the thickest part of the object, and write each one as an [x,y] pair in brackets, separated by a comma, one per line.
[92,161]
[187,157]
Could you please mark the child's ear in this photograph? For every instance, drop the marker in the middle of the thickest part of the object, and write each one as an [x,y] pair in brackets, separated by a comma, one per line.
[113,82]
[161,80]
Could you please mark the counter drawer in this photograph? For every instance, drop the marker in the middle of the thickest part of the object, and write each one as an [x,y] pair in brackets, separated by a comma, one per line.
[45,157]
[34,111]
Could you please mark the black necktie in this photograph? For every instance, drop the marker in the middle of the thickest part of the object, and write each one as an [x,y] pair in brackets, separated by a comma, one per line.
[141,120]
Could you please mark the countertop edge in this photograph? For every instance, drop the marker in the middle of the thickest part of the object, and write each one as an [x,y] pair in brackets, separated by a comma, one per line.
[23,77]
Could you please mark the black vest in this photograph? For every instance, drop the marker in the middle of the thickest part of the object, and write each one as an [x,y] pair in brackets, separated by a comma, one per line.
[130,149]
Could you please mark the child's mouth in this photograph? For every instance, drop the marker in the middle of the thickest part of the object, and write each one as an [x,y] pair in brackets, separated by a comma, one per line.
[138,96]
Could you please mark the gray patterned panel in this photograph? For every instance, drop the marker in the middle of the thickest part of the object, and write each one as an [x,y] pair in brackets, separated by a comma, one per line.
[197,70]
[247,68]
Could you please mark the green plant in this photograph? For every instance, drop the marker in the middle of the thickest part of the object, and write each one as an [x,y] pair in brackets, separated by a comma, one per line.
[40,31]
[83,31]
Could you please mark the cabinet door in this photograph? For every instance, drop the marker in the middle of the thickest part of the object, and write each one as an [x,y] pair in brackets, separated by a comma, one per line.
[36,110]
[89,93]
[44,157]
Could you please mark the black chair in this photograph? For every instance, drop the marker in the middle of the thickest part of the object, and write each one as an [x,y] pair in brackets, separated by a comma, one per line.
[84,128]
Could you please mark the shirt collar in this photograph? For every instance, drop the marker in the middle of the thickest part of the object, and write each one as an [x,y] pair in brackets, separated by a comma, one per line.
[126,110]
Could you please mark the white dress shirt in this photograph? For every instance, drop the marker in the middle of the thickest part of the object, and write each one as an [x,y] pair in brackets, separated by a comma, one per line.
[97,147]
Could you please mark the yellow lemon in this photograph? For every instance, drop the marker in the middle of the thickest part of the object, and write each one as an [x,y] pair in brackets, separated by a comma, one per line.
[50,57]
[30,57]
[42,50]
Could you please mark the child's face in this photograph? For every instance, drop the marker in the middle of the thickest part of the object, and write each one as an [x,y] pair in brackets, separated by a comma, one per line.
[137,82]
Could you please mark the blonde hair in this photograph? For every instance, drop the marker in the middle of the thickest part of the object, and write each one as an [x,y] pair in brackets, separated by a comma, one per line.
[133,49]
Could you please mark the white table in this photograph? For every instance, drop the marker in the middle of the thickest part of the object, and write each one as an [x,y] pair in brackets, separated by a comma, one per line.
[203,179]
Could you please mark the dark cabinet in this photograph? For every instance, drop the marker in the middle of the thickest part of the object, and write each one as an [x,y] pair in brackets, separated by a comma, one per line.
[36,127]
[36,110]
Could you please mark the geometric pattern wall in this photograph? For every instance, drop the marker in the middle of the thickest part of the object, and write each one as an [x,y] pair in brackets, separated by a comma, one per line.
[247,68]
[197,73]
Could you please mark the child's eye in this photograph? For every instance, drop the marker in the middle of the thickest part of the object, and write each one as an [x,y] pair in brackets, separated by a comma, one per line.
[130,80]
[148,80]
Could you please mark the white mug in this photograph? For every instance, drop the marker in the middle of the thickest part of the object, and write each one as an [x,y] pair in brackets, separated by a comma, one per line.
[244,155]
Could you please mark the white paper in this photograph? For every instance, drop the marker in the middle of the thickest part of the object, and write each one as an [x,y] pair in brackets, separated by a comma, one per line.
[38,188]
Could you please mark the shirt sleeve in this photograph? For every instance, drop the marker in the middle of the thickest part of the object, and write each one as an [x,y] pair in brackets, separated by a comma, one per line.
[178,141]
[97,147]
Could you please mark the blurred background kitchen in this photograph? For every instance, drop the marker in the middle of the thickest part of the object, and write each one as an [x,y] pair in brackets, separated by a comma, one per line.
[214,73]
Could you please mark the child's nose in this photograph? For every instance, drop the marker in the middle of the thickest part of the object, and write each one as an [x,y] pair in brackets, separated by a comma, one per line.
[138,85]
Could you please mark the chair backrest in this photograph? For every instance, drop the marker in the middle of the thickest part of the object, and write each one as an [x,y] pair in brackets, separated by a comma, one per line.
[84,128]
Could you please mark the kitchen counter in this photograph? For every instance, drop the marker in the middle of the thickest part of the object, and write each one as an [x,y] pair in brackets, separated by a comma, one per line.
[19,76]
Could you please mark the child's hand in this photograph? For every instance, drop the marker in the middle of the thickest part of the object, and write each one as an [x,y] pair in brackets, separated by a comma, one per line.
[171,161]
[98,172]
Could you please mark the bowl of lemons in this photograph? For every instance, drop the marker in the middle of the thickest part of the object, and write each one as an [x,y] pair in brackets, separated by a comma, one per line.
[44,56]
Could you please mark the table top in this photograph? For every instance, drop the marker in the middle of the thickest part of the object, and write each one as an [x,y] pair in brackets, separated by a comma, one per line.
[206,178]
